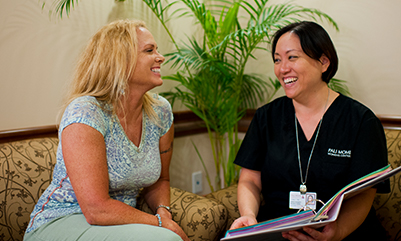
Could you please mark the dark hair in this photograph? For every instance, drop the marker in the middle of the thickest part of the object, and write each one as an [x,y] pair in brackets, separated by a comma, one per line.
[314,42]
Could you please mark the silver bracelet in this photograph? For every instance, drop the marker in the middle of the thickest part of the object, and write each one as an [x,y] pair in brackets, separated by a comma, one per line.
[159,219]
[163,206]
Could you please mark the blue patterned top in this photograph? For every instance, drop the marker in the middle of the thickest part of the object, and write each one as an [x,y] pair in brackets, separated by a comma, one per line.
[130,167]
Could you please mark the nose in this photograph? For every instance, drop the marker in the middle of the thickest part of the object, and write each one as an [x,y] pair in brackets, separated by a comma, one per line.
[160,58]
[284,66]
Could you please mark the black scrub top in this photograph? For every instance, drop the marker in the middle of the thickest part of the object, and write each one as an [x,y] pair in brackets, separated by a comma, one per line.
[351,143]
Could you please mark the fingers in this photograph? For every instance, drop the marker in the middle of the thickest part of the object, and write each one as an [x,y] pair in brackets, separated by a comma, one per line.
[313,233]
[173,226]
[237,224]
[243,222]
[308,235]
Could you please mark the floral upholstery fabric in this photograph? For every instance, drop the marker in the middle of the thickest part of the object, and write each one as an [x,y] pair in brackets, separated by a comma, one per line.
[228,196]
[388,206]
[26,169]
[201,218]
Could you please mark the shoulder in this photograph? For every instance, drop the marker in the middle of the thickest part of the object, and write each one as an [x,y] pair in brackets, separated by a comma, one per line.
[84,102]
[349,114]
[275,108]
[161,102]
[354,109]
[164,112]
[86,110]
[161,106]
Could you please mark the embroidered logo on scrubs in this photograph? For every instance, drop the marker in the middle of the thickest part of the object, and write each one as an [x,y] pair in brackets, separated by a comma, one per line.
[339,153]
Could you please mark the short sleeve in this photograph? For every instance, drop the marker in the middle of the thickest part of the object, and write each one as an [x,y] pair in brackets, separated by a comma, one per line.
[251,153]
[85,110]
[370,150]
[165,114]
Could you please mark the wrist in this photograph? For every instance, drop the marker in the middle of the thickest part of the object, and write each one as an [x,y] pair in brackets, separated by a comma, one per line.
[159,220]
[164,207]
[164,213]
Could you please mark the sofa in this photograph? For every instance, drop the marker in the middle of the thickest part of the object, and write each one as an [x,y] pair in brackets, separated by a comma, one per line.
[388,206]
[27,158]
[26,168]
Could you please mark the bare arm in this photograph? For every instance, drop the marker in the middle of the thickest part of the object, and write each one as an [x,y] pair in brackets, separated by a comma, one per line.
[159,193]
[85,158]
[248,197]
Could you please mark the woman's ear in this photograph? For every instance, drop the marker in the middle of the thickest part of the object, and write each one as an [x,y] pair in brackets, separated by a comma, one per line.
[325,62]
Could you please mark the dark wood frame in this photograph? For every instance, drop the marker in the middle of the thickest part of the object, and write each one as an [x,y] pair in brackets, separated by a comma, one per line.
[186,123]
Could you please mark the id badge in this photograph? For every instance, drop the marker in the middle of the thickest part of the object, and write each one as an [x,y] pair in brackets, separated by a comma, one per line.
[305,201]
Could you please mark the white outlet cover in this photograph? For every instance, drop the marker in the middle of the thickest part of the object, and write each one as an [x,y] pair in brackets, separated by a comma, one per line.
[197,186]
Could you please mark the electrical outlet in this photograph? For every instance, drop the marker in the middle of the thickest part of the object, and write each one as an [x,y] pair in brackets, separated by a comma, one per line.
[197,182]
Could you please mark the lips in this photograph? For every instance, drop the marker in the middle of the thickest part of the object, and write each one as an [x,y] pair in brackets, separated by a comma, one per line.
[156,70]
[290,80]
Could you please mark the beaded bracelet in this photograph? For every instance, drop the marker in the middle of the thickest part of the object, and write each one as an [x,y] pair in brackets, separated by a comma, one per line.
[159,219]
[163,206]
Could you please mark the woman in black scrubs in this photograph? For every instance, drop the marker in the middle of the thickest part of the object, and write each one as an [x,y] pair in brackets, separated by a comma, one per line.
[311,141]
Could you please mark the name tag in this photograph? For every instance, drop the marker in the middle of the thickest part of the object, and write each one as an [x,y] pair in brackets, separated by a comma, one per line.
[305,201]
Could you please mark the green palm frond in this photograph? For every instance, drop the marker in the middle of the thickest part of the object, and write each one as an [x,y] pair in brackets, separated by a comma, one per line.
[191,55]
[211,77]
[339,86]
[62,6]
[158,9]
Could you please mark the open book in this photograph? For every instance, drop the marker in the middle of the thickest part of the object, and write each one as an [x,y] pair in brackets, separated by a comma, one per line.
[271,229]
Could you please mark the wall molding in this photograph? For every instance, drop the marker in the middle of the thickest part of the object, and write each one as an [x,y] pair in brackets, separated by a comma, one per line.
[186,123]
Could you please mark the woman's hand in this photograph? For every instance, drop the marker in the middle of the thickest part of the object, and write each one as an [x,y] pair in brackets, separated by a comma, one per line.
[173,226]
[243,222]
[309,234]
[168,223]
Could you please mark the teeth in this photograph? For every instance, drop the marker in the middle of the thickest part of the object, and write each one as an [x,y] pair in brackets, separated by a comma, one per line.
[156,70]
[290,80]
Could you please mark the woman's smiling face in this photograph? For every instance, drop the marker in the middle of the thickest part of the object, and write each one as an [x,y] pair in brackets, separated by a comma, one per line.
[297,72]
[147,69]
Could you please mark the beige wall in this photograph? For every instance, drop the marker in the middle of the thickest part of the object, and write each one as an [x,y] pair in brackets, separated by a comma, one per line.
[37,55]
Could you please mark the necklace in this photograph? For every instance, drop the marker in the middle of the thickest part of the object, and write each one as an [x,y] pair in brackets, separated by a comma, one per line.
[302,187]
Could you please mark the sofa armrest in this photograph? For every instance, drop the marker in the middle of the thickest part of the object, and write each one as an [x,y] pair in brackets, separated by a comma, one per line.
[26,171]
[388,205]
[228,197]
[200,218]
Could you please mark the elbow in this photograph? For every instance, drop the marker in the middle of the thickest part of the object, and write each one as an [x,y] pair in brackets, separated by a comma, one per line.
[95,215]
[92,218]
[90,221]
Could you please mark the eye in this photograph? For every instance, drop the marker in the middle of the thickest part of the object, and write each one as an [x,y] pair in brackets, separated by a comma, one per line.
[276,61]
[292,57]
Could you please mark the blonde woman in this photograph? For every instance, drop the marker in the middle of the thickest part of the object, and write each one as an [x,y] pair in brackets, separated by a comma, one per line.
[115,138]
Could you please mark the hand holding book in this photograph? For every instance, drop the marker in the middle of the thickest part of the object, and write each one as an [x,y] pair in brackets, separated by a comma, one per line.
[273,228]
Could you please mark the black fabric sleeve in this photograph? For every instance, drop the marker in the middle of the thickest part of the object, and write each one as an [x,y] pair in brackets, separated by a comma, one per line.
[253,147]
[370,152]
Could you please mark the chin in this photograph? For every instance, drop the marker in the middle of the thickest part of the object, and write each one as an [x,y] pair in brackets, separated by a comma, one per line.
[290,94]
[159,83]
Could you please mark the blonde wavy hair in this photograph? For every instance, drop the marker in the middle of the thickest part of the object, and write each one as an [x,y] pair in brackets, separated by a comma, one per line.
[106,65]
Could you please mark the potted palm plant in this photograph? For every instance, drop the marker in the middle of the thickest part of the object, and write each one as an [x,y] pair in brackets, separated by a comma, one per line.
[211,77]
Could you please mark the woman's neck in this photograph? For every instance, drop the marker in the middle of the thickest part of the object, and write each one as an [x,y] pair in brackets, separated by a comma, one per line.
[315,103]
[309,112]
[131,107]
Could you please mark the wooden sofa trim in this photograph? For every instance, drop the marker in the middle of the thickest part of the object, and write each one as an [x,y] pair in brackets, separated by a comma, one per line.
[186,123]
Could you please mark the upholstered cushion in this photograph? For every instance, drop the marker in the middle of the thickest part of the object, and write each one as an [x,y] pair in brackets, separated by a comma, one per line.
[228,196]
[388,206]
[26,169]
[202,219]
